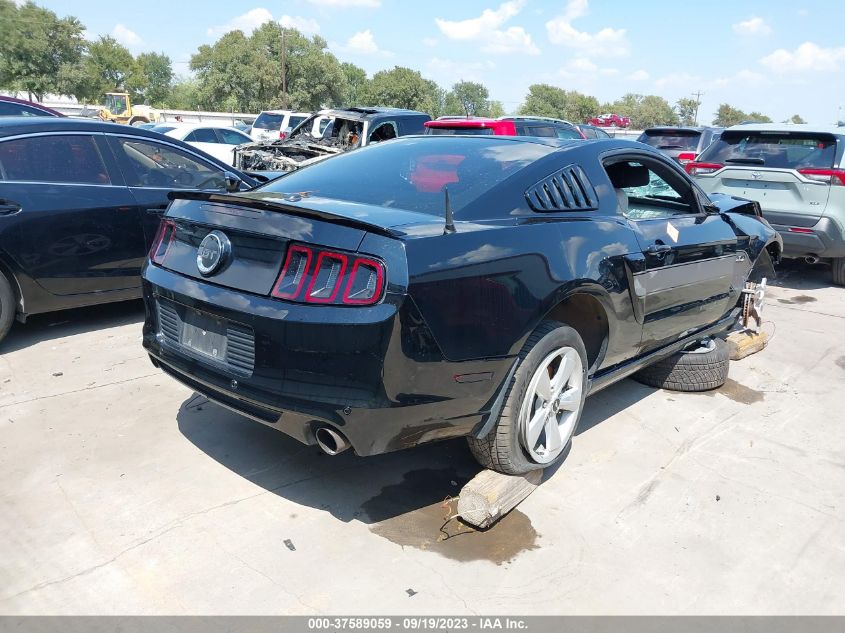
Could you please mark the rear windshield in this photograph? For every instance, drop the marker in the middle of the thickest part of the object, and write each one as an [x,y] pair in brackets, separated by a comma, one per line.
[451,131]
[772,149]
[162,129]
[268,121]
[671,139]
[412,173]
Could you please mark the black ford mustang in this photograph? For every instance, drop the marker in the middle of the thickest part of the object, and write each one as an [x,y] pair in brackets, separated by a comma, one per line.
[433,287]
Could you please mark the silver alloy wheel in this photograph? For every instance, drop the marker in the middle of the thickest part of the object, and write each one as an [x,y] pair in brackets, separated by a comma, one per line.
[551,405]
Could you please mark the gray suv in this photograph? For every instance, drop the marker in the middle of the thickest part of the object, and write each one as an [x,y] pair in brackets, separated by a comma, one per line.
[796,173]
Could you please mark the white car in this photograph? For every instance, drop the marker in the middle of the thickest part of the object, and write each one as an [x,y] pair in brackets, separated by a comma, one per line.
[271,125]
[216,140]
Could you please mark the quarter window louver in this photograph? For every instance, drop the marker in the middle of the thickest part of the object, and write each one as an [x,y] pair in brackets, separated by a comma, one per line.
[566,190]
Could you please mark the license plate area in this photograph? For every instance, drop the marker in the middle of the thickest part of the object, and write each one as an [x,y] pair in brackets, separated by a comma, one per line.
[205,334]
[197,334]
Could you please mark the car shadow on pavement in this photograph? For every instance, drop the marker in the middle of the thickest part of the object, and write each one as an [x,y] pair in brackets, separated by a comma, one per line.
[367,489]
[795,274]
[55,325]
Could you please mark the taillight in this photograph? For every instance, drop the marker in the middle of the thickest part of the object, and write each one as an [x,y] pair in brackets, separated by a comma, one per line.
[685,157]
[697,169]
[313,275]
[162,241]
[799,229]
[830,176]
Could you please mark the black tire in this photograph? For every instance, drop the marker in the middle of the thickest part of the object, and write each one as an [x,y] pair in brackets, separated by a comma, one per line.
[697,369]
[7,306]
[501,449]
[838,271]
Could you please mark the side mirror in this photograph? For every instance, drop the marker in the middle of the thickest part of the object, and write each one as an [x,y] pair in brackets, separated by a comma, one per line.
[233,183]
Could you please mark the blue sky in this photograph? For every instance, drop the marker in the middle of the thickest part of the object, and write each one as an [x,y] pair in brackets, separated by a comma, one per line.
[778,57]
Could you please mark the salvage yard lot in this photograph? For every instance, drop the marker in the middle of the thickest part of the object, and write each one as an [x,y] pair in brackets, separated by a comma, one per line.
[123,492]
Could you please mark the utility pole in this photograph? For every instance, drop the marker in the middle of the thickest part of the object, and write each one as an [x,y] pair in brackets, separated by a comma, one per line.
[697,96]
[284,74]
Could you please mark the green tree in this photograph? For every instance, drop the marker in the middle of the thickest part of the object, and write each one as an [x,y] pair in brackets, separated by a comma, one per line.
[34,45]
[727,115]
[644,110]
[402,88]
[245,73]
[356,84]
[551,101]
[156,77]
[468,98]
[184,95]
[759,118]
[795,118]
[106,67]
[687,110]
[495,109]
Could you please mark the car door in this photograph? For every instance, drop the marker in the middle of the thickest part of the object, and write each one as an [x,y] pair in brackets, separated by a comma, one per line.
[153,168]
[689,253]
[77,230]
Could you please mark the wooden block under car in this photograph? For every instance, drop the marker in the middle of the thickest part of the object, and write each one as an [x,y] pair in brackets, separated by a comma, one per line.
[743,343]
[490,495]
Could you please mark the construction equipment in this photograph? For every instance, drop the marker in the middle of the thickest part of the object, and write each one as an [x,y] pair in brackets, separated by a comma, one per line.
[118,108]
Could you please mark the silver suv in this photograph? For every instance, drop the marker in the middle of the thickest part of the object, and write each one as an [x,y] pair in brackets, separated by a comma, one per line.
[796,173]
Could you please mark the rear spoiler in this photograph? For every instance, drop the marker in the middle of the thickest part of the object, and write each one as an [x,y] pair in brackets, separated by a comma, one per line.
[280,207]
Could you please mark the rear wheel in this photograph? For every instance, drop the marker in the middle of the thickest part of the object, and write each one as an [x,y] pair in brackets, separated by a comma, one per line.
[839,271]
[542,406]
[7,306]
[701,367]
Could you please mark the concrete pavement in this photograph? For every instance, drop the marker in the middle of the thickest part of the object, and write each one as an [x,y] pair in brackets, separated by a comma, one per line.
[123,492]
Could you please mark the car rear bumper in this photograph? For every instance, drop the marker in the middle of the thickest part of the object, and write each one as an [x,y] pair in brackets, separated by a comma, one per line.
[372,373]
[824,239]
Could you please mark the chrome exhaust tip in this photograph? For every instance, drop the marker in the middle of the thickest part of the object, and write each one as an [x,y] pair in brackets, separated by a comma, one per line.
[331,442]
[811,259]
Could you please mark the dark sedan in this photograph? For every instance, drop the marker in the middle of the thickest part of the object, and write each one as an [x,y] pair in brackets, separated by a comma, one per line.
[441,286]
[10,106]
[80,202]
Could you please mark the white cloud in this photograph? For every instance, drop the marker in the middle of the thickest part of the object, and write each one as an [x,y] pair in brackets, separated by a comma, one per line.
[343,4]
[485,29]
[303,25]
[125,36]
[363,43]
[246,22]
[678,81]
[607,42]
[583,66]
[752,26]
[638,75]
[514,39]
[807,57]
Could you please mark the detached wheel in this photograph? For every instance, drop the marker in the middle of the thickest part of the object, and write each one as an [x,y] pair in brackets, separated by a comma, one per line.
[699,368]
[838,271]
[542,406]
[7,306]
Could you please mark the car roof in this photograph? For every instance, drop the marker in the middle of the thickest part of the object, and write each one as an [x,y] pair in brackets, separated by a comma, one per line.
[359,113]
[790,127]
[681,128]
[188,127]
[31,104]
[17,125]
[466,122]
[550,141]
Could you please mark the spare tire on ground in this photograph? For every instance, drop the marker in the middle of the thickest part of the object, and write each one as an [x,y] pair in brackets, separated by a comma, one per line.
[701,367]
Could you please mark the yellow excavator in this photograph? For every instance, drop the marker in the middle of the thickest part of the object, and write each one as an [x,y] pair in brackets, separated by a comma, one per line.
[118,108]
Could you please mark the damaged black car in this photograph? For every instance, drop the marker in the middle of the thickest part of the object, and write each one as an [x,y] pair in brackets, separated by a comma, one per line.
[477,287]
[346,130]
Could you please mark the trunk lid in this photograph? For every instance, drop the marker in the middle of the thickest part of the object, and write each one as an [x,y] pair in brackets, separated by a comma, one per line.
[259,229]
[784,195]
[777,168]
